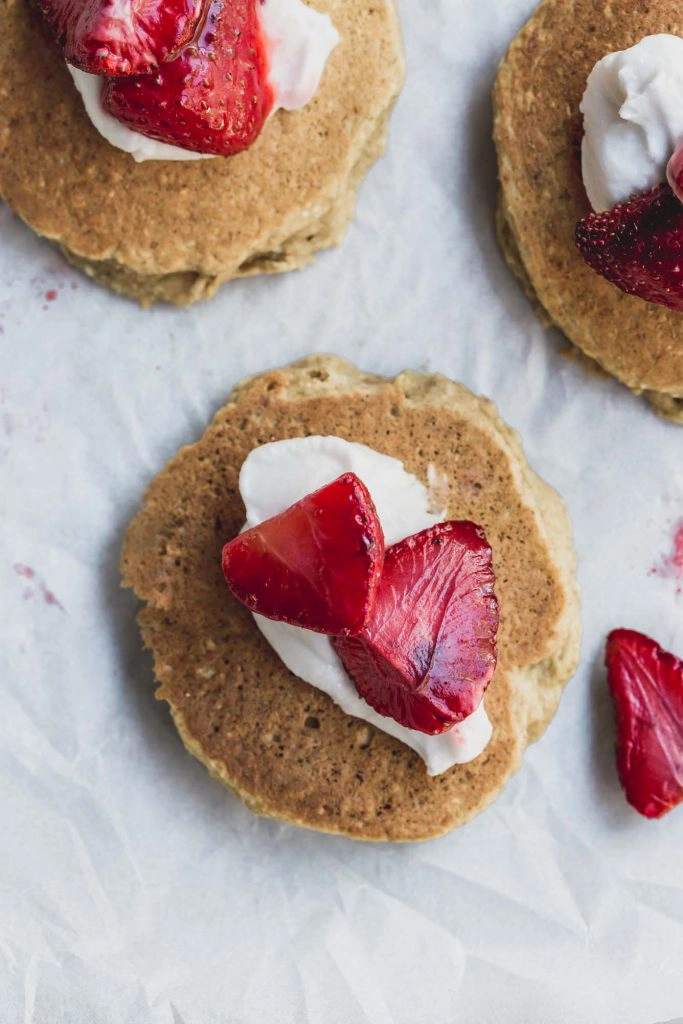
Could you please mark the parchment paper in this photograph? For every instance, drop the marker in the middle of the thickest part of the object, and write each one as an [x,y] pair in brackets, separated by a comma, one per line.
[135,889]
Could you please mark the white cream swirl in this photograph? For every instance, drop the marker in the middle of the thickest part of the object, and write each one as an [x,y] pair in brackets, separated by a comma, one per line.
[633,119]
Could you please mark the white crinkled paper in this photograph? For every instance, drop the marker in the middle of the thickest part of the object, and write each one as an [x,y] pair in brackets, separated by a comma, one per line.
[133,888]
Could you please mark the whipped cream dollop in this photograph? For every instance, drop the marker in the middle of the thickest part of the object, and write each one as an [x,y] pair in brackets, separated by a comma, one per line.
[118,134]
[299,41]
[278,474]
[633,119]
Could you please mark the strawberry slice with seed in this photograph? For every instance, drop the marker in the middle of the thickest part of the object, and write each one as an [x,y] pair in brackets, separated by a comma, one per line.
[429,650]
[214,98]
[122,37]
[315,565]
[638,246]
[646,684]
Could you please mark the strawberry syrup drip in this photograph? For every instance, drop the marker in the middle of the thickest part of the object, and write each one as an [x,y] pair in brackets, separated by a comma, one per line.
[670,566]
[27,573]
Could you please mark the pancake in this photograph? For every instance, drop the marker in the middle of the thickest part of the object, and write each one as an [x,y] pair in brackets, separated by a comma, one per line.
[174,231]
[538,90]
[282,745]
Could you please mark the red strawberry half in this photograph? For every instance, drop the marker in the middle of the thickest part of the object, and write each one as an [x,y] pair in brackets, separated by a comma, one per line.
[638,246]
[429,650]
[214,98]
[647,686]
[122,37]
[316,564]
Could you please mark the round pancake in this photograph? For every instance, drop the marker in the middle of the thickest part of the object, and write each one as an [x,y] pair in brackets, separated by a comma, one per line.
[279,743]
[174,231]
[537,126]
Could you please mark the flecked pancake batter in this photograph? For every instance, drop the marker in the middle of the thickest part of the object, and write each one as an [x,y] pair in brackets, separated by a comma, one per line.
[282,745]
[174,231]
[537,130]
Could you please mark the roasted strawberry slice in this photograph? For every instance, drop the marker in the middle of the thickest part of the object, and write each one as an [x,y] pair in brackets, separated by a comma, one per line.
[674,172]
[122,37]
[214,97]
[638,246]
[429,650]
[316,564]
[647,686]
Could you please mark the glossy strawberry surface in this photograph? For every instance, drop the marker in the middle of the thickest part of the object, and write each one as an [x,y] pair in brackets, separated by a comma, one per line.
[429,649]
[214,98]
[646,683]
[638,246]
[674,172]
[122,37]
[315,565]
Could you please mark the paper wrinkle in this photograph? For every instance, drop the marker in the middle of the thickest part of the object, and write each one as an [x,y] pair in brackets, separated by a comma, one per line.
[368,974]
[133,888]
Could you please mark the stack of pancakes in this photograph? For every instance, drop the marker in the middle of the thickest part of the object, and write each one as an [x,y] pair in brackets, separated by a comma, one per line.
[284,746]
[538,129]
[175,231]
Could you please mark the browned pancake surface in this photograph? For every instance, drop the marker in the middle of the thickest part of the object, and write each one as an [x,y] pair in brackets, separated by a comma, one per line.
[280,743]
[539,88]
[175,230]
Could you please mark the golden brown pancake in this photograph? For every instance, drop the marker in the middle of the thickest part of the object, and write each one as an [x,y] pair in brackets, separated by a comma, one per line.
[278,742]
[537,129]
[175,231]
